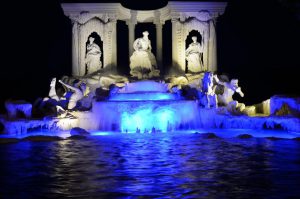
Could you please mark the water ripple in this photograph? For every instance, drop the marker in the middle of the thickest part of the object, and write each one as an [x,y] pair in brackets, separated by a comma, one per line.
[151,166]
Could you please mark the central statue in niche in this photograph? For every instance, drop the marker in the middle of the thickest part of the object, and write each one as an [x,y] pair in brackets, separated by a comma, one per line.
[142,62]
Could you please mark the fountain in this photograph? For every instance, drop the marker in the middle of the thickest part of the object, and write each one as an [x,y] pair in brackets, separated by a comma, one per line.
[147,101]
[145,105]
[150,132]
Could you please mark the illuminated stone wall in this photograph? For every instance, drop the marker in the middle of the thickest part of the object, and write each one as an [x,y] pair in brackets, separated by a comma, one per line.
[101,18]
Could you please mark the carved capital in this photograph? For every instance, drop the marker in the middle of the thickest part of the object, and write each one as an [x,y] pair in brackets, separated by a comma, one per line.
[158,25]
[74,27]
[130,23]
[85,16]
[174,17]
[157,18]
[202,15]
[215,16]
[112,17]
[133,17]
[74,18]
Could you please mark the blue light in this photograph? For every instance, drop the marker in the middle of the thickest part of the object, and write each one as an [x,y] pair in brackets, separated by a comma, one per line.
[143,96]
[145,107]
[147,118]
[100,133]
[145,86]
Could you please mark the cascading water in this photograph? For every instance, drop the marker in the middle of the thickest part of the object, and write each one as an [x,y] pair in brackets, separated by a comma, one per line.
[145,106]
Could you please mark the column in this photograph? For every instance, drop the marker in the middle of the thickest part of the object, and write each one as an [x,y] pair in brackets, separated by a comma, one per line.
[75,58]
[131,28]
[178,49]
[212,48]
[114,43]
[174,44]
[131,35]
[159,44]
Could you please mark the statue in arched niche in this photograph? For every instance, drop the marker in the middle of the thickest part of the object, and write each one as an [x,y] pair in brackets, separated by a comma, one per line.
[194,56]
[93,55]
[142,61]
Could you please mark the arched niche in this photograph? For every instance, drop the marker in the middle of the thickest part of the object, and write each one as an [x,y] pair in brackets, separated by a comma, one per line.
[193,25]
[189,40]
[98,40]
[107,33]
[94,26]
[181,30]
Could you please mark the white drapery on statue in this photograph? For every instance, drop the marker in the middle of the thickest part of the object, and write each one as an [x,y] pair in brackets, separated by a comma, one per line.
[142,61]
[194,55]
[93,55]
[142,56]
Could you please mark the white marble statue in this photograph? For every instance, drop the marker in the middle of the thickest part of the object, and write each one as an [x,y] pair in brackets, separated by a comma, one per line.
[52,92]
[193,56]
[78,93]
[142,61]
[208,98]
[46,106]
[93,54]
[226,99]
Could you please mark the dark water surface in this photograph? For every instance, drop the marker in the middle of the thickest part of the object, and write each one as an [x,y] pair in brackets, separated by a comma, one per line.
[151,166]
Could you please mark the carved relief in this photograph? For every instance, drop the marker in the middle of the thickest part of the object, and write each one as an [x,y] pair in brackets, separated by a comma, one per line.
[85,16]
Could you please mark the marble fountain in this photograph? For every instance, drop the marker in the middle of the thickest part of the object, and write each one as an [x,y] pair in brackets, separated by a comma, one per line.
[98,98]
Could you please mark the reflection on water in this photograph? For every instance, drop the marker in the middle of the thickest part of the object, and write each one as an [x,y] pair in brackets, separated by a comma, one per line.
[151,166]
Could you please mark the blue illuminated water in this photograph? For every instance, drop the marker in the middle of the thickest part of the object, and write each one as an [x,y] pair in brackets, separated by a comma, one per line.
[144,86]
[143,96]
[128,116]
[145,106]
[162,165]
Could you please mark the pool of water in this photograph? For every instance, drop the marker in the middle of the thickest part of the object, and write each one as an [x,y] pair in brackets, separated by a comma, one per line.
[169,165]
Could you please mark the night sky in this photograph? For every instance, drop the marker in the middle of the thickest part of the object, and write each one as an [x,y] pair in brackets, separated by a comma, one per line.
[258,43]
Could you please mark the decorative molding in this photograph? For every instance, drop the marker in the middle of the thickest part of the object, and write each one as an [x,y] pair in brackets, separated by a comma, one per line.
[157,19]
[84,17]
[212,7]
[104,11]
[93,8]
[202,15]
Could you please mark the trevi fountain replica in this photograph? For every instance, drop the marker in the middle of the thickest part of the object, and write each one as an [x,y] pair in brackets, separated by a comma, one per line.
[190,96]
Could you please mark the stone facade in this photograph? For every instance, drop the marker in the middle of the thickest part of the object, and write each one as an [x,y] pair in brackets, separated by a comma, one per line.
[185,17]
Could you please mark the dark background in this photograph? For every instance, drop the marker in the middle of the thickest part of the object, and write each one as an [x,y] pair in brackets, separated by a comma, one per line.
[257,42]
